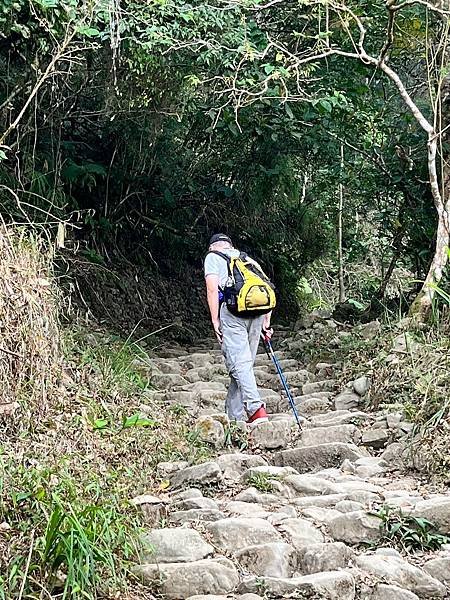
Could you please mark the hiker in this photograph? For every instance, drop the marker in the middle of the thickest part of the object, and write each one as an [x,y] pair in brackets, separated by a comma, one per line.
[240,300]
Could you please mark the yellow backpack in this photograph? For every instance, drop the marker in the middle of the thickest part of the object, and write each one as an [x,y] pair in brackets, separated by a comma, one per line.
[248,292]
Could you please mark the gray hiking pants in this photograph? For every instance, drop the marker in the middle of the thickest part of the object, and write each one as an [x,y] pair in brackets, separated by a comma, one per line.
[239,347]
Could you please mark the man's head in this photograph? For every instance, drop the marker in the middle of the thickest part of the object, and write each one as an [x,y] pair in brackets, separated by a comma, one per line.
[220,241]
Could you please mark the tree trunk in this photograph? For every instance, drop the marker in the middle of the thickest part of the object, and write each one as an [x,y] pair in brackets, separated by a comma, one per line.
[340,233]
[421,306]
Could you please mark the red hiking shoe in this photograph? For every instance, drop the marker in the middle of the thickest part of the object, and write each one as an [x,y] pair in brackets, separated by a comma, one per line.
[260,416]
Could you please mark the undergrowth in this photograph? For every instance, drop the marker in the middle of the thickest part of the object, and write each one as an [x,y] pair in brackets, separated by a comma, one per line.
[29,344]
[409,368]
[67,528]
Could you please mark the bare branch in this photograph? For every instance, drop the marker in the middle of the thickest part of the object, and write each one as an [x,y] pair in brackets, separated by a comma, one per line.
[429,5]
[389,36]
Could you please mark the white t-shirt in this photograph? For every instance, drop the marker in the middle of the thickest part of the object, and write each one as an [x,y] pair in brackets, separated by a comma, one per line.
[216,265]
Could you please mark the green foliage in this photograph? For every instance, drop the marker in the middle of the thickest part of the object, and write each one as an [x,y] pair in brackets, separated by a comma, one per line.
[146,155]
[410,533]
[262,481]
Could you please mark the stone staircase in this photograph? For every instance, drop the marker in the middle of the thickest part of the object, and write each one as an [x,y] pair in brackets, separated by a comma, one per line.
[295,514]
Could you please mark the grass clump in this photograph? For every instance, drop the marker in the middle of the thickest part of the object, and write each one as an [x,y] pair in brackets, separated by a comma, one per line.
[262,481]
[408,533]
[63,544]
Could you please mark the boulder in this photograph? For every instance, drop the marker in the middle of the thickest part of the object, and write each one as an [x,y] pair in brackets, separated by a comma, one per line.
[177,581]
[355,528]
[187,494]
[192,376]
[246,509]
[297,378]
[310,485]
[273,403]
[363,497]
[208,597]
[396,571]
[369,330]
[152,507]
[329,585]
[346,401]
[395,456]
[311,405]
[269,471]
[210,431]
[167,381]
[300,532]
[322,456]
[275,559]
[326,385]
[205,386]
[229,535]
[195,503]
[252,495]
[234,465]
[199,359]
[205,473]
[357,484]
[361,385]
[327,435]
[436,510]
[320,515]
[324,557]
[339,417]
[186,399]
[375,438]
[175,545]
[391,592]
[325,501]
[166,366]
[393,420]
[271,435]
[288,363]
[180,517]
[346,506]
[439,568]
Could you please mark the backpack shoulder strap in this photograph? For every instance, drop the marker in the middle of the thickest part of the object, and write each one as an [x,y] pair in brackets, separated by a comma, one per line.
[224,256]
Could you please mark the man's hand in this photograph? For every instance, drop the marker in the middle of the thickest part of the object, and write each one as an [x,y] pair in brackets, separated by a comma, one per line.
[267,333]
[217,331]
[266,328]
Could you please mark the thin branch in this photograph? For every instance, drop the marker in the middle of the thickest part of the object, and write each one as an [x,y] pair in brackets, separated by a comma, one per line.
[389,36]
[432,7]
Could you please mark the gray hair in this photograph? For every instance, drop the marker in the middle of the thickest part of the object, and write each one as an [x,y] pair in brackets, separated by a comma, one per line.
[221,245]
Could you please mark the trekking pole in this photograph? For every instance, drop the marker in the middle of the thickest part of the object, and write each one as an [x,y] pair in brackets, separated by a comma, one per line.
[271,354]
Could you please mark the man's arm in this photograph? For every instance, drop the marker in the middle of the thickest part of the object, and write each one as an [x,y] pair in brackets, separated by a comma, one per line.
[212,289]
